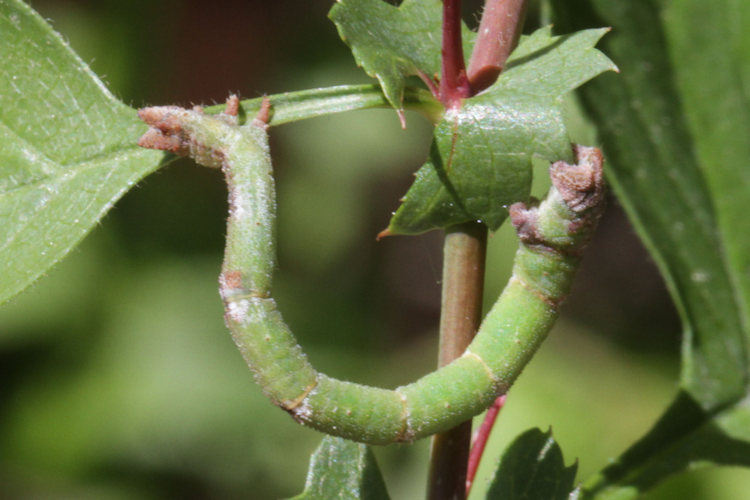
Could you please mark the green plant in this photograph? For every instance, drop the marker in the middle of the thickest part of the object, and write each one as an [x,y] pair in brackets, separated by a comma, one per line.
[479,163]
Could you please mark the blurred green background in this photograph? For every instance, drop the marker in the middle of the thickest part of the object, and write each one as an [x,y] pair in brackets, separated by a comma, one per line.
[119,379]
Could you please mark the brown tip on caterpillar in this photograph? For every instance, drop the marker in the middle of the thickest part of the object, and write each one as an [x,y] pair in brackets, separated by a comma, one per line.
[166,132]
[151,115]
[264,113]
[524,219]
[164,118]
[581,186]
[382,234]
[155,139]
[233,105]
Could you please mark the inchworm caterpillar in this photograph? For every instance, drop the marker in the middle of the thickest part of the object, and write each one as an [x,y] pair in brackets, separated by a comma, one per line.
[552,236]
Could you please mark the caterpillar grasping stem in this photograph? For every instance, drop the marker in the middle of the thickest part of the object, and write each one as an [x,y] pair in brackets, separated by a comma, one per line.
[552,236]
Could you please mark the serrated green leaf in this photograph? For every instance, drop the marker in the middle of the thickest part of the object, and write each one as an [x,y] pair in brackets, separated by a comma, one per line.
[345,470]
[533,468]
[480,160]
[392,43]
[67,148]
[659,168]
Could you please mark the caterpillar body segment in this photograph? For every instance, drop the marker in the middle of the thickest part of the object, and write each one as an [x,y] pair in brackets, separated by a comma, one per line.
[552,236]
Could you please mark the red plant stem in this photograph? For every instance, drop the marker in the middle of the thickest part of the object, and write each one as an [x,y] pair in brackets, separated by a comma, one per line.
[499,31]
[480,440]
[454,84]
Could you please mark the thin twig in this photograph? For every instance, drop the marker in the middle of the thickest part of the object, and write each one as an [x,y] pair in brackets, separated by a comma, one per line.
[480,441]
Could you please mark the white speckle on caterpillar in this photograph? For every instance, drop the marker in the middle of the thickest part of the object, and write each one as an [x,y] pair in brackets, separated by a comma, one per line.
[238,205]
[237,311]
[304,412]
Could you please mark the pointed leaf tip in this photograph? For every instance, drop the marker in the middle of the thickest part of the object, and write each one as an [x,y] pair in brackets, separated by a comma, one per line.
[384,233]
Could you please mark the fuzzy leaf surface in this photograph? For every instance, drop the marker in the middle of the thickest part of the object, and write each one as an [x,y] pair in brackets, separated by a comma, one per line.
[480,159]
[532,468]
[345,470]
[685,204]
[67,148]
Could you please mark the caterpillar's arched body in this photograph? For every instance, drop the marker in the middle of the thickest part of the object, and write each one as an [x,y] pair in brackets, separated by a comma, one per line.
[552,236]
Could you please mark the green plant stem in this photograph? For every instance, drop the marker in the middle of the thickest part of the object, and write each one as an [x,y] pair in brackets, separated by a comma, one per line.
[302,105]
[464,254]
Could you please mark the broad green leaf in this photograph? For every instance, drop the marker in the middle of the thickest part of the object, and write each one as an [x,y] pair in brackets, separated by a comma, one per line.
[67,148]
[659,172]
[341,469]
[533,468]
[392,43]
[480,159]
[710,47]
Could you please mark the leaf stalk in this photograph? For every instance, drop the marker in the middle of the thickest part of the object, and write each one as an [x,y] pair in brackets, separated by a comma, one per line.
[499,32]
[289,107]
[480,440]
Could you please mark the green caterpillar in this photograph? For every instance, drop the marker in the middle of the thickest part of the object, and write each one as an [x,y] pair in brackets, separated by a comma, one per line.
[552,236]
